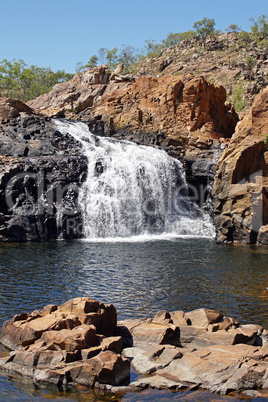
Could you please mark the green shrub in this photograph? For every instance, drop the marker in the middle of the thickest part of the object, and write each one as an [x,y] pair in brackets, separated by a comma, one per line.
[266,142]
[238,97]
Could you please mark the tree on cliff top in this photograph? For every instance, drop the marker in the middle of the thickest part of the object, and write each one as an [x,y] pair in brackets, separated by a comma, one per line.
[233,28]
[204,28]
[259,27]
[20,81]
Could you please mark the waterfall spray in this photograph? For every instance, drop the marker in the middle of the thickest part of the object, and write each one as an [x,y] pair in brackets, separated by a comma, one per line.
[133,190]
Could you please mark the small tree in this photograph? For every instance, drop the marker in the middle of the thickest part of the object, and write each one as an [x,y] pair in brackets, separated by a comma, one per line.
[79,67]
[102,52]
[204,28]
[172,39]
[92,62]
[127,57]
[112,58]
[188,35]
[250,63]
[259,27]
[152,48]
[233,28]
[244,38]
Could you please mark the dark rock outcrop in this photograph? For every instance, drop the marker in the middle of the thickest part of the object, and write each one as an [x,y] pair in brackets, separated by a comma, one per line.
[40,174]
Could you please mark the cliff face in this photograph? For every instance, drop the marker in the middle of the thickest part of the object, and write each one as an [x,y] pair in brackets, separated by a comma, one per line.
[184,115]
[223,61]
[241,182]
[174,107]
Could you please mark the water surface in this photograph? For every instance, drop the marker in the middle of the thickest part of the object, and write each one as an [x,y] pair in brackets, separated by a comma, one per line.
[138,278]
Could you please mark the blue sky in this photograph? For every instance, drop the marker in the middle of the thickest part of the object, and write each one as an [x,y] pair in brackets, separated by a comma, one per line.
[60,33]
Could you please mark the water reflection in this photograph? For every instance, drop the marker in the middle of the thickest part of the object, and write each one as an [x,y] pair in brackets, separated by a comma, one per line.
[139,278]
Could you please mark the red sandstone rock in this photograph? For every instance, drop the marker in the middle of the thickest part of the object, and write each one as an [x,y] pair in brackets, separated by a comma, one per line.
[241,183]
[214,353]
[78,338]
[202,318]
[10,108]
[175,107]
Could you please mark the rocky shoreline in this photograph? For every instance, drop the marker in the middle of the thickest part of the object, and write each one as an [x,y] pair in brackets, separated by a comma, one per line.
[80,343]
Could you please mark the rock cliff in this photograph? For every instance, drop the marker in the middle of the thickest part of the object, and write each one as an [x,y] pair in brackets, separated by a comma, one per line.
[241,182]
[174,108]
[224,60]
[185,115]
[40,173]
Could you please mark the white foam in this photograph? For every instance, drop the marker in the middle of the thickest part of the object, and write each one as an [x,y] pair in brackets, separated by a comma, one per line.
[133,192]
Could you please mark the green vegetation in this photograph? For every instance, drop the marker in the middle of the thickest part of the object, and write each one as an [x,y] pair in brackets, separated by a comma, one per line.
[250,64]
[204,28]
[266,142]
[237,97]
[233,28]
[20,81]
[259,27]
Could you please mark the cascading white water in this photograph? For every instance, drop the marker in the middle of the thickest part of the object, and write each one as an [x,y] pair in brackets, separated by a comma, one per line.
[133,191]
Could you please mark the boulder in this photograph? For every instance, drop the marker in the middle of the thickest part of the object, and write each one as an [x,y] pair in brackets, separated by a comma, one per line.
[91,312]
[78,338]
[10,108]
[218,368]
[146,360]
[202,318]
[154,334]
[263,235]
[62,324]
[105,368]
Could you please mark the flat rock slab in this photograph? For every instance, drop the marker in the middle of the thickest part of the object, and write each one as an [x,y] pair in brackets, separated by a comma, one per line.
[218,368]
[149,359]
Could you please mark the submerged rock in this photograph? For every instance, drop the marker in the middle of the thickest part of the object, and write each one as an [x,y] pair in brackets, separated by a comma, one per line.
[80,342]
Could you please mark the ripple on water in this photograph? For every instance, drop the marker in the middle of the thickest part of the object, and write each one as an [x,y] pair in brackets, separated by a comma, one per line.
[138,278]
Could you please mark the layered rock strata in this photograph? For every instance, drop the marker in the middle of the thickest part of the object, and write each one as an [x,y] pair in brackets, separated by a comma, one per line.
[80,343]
[241,181]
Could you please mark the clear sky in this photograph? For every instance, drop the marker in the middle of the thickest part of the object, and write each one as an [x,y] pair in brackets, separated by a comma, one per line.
[60,33]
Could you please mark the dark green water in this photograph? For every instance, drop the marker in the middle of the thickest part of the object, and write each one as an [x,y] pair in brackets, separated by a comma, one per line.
[139,279]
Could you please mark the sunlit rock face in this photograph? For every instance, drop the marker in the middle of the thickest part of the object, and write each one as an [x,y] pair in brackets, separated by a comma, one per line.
[241,182]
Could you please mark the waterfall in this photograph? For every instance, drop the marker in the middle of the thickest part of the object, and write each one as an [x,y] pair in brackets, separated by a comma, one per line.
[134,191]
